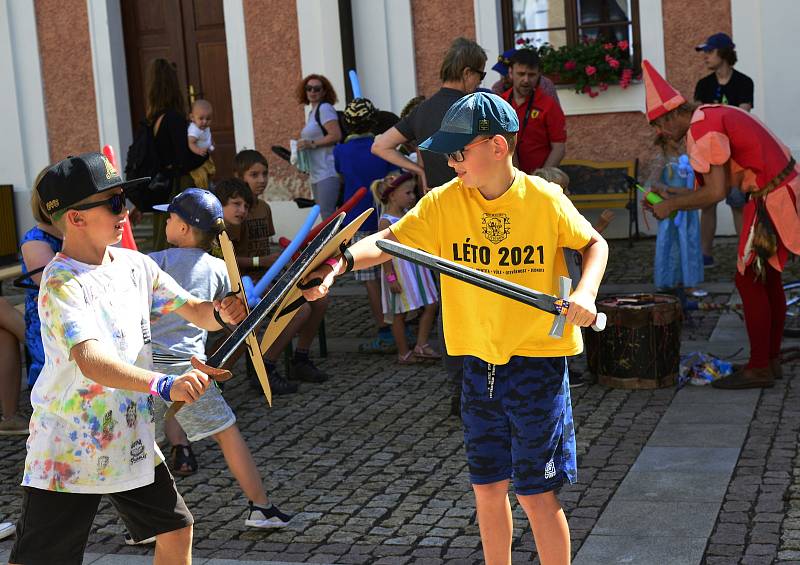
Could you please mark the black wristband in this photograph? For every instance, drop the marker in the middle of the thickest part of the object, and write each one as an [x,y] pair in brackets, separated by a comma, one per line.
[348,259]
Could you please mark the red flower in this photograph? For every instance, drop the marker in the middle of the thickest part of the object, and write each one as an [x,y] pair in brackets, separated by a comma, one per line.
[593,94]
[608,46]
[520,41]
[602,86]
[623,44]
[570,65]
[590,70]
[613,63]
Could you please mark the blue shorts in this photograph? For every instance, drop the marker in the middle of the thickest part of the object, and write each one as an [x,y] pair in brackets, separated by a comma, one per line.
[518,423]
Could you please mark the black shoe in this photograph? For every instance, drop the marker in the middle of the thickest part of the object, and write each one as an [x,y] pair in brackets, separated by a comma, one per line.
[455,405]
[576,380]
[303,369]
[278,385]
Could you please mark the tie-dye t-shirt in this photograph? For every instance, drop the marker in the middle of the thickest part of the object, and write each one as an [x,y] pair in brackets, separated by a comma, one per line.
[85,437]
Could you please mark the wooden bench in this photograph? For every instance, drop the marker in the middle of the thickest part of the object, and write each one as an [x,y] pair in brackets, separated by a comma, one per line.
[9,272]
[596,185]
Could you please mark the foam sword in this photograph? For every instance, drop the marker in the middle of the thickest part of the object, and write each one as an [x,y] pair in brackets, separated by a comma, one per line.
[557,306]
[213,365]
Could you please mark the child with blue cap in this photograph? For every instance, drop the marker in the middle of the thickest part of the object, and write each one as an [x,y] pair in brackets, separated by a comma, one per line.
[195,220]
[515,396]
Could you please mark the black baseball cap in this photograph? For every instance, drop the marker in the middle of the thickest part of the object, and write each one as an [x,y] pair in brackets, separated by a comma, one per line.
[71,180]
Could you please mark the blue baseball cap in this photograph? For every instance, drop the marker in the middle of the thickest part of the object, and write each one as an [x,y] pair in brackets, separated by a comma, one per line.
[716,41]
[197,207]
[503,62]
[479,113]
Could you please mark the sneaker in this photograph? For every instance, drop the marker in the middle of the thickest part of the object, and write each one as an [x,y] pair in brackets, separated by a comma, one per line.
[7,529]
[270,517]
[708,261]
[303,369]
[279,385]
[380,344]
[16,425]
[130,541]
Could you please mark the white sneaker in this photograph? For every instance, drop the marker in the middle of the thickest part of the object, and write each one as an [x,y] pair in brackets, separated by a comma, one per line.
[130,541]
[270,517]
[7,529]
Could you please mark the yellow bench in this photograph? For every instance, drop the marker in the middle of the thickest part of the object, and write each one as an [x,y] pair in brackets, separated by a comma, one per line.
[596,185]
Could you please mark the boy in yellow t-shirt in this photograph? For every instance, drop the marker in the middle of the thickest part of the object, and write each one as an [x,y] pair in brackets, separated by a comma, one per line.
[515,395]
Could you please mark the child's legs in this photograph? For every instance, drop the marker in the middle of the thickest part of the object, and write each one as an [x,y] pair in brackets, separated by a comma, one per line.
[241,463]
[309,330]
[487,443]
[399,333]
[174,432]
[374,298]
[757,317]
[10,377]
[426,322]
[495,521]
[45,512]
[549,525]
[285,337]
[158,510]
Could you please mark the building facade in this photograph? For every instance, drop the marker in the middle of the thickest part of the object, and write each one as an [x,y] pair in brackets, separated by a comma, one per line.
[70,70]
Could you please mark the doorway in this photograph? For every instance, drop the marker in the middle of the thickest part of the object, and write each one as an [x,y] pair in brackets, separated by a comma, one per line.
[191,34]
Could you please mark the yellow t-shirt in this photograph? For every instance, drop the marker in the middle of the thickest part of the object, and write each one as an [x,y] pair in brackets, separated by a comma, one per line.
[518,237]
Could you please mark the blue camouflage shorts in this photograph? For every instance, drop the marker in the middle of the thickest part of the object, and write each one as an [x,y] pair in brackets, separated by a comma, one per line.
[518,423]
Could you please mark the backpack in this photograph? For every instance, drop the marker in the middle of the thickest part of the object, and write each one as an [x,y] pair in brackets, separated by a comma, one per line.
[143,161]
[339,118]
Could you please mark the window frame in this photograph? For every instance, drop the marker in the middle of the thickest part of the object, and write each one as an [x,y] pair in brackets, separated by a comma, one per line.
[571,27]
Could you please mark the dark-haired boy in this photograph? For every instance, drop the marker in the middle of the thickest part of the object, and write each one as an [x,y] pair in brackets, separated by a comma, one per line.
[515,398]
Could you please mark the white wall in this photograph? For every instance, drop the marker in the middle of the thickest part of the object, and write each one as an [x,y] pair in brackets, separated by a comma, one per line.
[23,143]
[321,42]
[764,33]
[110,76]
[384,45]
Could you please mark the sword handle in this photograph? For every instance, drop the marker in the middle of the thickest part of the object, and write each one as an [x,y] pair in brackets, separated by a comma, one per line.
[599,323]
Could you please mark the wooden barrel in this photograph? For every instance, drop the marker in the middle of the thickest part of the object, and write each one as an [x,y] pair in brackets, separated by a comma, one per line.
[640,347]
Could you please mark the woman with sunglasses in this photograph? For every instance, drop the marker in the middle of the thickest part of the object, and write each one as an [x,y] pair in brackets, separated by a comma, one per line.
[318,137]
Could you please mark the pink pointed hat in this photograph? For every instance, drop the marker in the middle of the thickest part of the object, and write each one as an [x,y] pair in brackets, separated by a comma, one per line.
[661,95]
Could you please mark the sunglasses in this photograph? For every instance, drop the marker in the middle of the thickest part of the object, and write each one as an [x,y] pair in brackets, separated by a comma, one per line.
[482,73]
[458,156]
[116,203]
[310,88]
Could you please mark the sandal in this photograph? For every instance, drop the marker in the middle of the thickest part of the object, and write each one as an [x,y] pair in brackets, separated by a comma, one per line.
[408,359]
[182,460]
[425,351]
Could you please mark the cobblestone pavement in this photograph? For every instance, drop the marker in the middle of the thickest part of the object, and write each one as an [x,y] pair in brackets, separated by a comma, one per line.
[374,468]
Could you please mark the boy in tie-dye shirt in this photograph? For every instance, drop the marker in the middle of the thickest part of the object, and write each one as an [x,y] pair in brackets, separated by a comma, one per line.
[92,431]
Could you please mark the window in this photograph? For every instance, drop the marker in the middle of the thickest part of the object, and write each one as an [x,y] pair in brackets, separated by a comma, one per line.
[568,22]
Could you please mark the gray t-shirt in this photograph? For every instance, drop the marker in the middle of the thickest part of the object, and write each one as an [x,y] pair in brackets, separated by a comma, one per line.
[205,278]
[423,122]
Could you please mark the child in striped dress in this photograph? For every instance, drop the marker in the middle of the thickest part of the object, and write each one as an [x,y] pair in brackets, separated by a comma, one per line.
[405,287]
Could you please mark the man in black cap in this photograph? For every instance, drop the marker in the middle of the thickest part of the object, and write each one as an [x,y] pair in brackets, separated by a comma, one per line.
[725,85]
[92,430]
